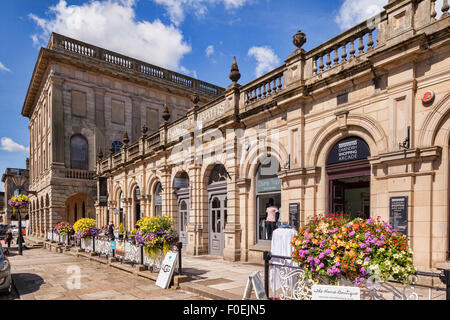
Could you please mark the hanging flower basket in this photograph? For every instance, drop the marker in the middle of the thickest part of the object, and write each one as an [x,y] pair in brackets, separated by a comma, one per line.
[19,202]
[333,249]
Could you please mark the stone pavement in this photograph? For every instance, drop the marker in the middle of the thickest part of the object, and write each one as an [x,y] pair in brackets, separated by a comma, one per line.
[218,279]
[43,275]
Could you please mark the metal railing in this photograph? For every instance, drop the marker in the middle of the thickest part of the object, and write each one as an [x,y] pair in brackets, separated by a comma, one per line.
[286,280]
[126,250]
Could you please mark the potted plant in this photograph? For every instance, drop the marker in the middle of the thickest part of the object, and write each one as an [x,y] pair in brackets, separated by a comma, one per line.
[332,248]
[86,227]
[156,235]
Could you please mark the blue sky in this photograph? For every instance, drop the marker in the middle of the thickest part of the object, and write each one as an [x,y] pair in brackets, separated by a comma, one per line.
[195,37]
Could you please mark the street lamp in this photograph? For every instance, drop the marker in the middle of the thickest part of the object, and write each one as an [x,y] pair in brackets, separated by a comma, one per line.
[19,180]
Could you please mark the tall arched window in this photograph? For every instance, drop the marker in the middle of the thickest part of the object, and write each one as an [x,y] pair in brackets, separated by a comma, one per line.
[79,153]
[158,199]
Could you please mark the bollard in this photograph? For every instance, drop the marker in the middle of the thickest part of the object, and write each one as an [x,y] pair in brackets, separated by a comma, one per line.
[179,247]
[142,255]
[93,244]
[267,257]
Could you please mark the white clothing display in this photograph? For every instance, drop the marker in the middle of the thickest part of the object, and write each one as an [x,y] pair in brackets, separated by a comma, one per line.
[281,246]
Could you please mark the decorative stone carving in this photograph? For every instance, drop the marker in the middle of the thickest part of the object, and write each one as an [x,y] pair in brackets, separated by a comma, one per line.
[166,113]
[299,39]
[125,138]
[235,75]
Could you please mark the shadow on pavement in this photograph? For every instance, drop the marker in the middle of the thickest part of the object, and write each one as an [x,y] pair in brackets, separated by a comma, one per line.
[27,282]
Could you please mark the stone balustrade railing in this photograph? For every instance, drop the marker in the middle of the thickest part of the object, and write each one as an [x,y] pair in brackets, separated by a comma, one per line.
[58,41]
[268,85]
[353,43]
[74,174]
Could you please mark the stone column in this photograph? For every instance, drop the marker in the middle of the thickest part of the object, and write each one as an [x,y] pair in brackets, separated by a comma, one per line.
[244,188]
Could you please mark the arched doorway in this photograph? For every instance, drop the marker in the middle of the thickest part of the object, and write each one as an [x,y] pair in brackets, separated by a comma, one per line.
[181,186]
[137,205]
[157,200]
[217,196]
[79,206]
[348,171]
[268,194]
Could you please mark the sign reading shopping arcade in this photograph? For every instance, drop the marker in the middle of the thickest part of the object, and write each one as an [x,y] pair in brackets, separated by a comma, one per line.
[349,149]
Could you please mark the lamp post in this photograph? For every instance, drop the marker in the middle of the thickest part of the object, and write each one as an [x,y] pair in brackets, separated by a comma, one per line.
[19,180]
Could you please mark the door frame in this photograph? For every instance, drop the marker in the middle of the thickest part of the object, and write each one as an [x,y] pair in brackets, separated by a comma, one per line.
[217,189]
[183,195]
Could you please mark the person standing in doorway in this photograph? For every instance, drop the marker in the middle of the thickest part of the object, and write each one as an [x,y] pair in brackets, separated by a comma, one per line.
[271,218]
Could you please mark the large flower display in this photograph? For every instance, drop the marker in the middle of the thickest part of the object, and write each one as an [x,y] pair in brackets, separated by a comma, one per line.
[155,234]
[86,227]
[333,247]
[64,228]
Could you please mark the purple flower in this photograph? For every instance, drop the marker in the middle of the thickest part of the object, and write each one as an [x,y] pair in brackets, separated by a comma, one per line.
[316,261]
[362,245]
[321,265]
[328,251]
[321,255]
[351,234]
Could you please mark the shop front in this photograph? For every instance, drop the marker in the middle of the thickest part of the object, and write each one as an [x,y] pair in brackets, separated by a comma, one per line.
[348,172]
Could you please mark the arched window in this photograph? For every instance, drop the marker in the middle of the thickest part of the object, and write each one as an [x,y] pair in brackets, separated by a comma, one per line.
[158,199]
[268,195]
[79,158]
[218,174]
[137,203]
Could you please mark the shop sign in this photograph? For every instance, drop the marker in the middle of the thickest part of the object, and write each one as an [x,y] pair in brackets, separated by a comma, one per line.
[266,185]
[120,248]
[398,214]
[349,149]
[166,271]
[180,183]
[321,292]
[294,215]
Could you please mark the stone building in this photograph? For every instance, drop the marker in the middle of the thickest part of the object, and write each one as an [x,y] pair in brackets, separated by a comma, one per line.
[359,124]
[16,181]
[83,100]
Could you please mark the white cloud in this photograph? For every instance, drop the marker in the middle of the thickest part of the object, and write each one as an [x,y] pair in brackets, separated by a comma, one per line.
[177,8]
[112,24]
[3,68]
[209,51]
[266,59]
[10,145]
[353,12]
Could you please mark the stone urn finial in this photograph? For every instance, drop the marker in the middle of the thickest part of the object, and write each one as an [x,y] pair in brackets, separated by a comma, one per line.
[144,130]
[100,154]
[166,113]
[195,99]
[125,138]
[235,74]
[111,149]
[299,39]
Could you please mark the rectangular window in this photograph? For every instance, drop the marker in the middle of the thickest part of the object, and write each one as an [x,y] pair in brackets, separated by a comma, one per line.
[117,112]
[78,103]
[152,119]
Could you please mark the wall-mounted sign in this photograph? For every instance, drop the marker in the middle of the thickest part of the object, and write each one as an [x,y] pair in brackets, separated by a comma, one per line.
[321,292]
[428,97]
[158,200]
[349,149]
[267,185]
[398,214]
[102,192]
[166,271]
[180,183]
[113,245]
[294,215]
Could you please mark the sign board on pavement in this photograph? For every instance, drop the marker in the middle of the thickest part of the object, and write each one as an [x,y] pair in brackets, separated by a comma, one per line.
[255,282]
[166,271]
